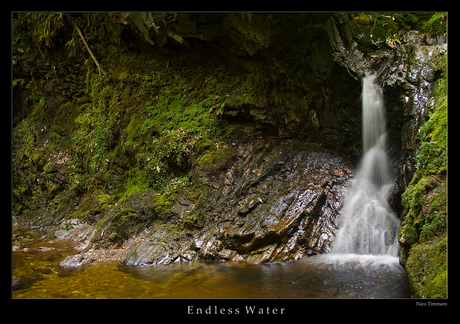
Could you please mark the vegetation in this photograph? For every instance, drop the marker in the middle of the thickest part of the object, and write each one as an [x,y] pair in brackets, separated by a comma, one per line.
[140,128]
[424,229]
[373,30]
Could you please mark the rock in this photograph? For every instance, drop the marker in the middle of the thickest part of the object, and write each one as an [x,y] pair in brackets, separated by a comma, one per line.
[78,231]
[408,80]
[45,249]
[183,207]
[239,33]
[61,233]
[301,204]
[93,255]
[341,43]
[22,282]
[161,246]
[275,208]
[226,254]
[73,261]
[16,247]
[68,227]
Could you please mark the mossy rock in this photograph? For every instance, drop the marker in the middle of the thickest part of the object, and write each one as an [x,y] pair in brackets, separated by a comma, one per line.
[62,120]
[215,157]
[407,233]
[164,202]
[427,269]
[423,232]
[191,222]
[202,145]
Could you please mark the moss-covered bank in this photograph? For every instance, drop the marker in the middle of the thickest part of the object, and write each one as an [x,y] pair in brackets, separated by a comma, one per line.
[423,232]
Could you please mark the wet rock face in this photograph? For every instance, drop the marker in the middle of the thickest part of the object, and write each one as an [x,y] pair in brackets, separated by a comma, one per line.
[407,78]
[278,202]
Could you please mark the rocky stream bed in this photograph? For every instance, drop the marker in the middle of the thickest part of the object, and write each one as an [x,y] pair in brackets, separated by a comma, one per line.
[39,272]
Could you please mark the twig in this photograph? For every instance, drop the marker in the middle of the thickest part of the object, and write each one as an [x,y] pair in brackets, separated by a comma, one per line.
[89,50]
[373,27]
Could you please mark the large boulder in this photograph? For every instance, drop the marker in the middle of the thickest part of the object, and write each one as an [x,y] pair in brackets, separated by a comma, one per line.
[278,202]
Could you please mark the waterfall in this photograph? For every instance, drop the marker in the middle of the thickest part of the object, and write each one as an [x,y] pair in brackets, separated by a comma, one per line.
[368,224]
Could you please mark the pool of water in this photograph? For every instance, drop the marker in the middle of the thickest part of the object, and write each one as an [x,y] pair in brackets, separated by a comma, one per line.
[321,276]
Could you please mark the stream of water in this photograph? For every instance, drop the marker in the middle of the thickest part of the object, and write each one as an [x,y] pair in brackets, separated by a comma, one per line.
[369,226]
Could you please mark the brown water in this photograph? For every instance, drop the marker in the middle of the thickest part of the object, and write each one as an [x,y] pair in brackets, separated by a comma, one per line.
[322,276]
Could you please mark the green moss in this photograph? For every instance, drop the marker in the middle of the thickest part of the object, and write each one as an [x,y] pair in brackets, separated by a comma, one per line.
[174,124]
[133,184]
[101,224]
[427,269]
[190,222]
[435,222]
[436,24]
[432,157]
[424,227]
[437,283]
[104,201]
[437,126]
[164,202]
[202,145]
[132,129]
[171,109]
[88,204]
[62,120]
[416,192]
[215,157]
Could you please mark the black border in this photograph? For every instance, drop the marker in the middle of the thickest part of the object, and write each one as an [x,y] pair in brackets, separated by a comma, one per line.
[176,309]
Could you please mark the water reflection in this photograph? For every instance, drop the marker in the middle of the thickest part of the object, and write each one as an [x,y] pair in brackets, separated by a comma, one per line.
[322,276]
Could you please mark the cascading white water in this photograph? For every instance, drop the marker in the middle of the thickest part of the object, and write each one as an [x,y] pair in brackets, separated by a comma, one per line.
[368,224]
